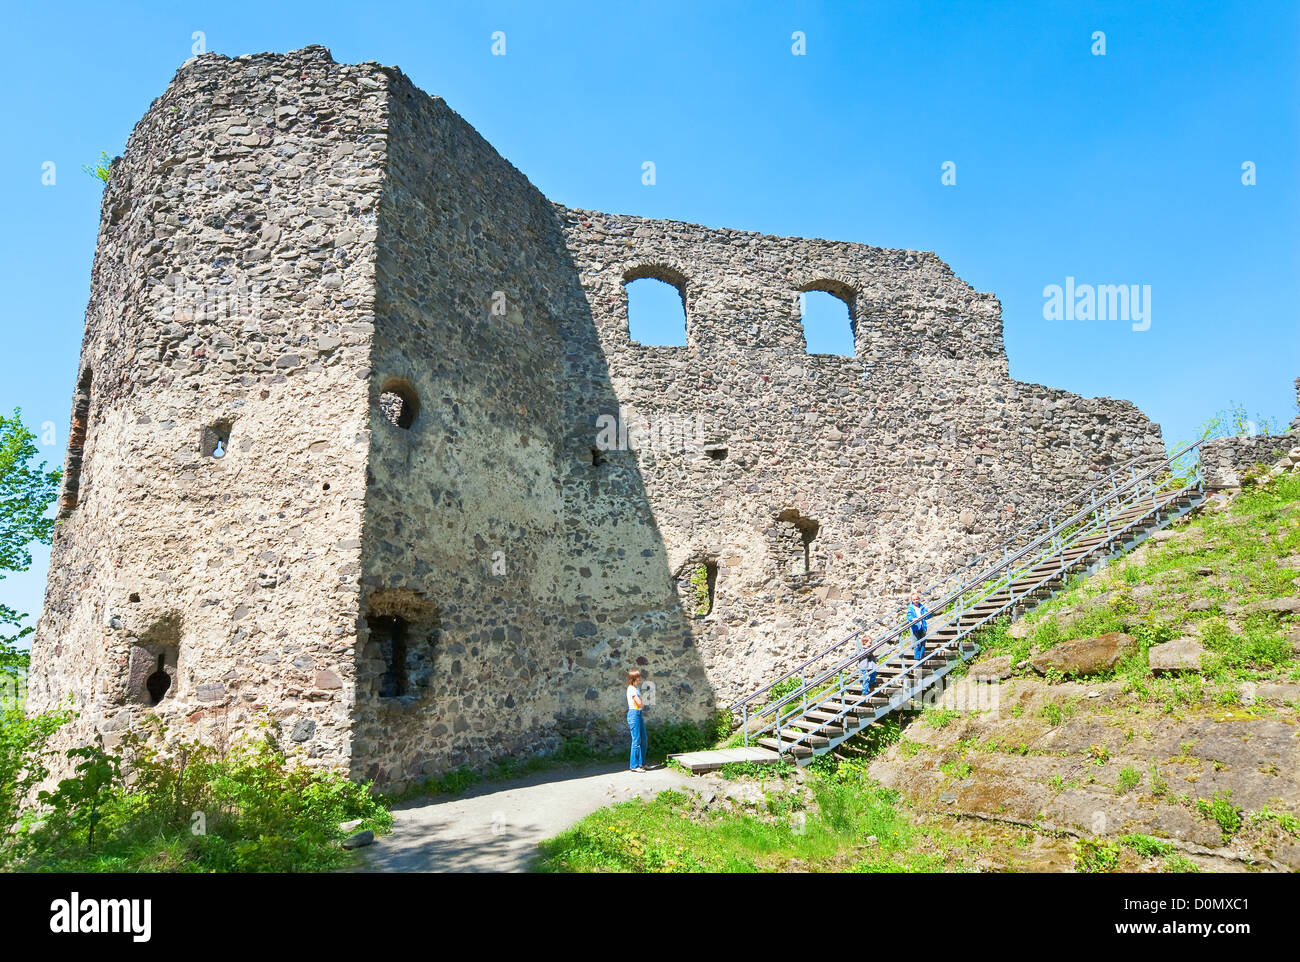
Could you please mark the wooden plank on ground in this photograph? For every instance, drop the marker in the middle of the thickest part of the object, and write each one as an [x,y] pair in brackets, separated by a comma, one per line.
[713,760]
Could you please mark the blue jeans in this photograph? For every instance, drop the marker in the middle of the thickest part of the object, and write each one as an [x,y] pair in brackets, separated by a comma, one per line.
[868,679]
[919,650]
[636,725]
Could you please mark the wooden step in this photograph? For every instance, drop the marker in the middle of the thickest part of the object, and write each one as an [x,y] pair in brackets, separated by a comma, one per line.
[1035,584]
[785,747]
[815,725]
[876,698]
[827,716]
[839,706]
[808,739]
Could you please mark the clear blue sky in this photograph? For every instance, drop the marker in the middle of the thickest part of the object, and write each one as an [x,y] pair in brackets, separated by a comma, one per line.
[1115,169]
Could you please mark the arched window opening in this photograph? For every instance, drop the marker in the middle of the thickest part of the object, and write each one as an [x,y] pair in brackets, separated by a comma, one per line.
[704,579]
[797,534]
[396,667]
[390,633]
[76,445]
[827,322]
[399,402]
[656,312]
[152,661]
[158,683]
[697,585]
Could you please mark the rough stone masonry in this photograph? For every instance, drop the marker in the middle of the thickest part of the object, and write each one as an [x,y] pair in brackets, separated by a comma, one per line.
[336,452]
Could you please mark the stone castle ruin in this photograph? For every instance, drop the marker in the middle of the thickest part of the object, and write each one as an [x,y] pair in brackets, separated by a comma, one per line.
[334,452]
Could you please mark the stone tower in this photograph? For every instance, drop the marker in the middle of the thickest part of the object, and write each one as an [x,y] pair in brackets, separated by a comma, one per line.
[341,439]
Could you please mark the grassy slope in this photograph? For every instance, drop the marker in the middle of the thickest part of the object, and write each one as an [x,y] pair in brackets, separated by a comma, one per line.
[1208,582]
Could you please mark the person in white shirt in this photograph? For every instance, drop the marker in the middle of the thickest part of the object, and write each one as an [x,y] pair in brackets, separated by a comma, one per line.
[635,723]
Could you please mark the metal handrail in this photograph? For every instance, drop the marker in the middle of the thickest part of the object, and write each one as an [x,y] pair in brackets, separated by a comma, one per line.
[845,668]
[1110,476]
[932,589]
[982,579]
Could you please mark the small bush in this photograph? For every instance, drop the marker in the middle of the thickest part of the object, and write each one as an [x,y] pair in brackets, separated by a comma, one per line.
[1146,846]
[941,717]
[1177,862]
[24,758]
[451,782]
[1221,809]
[956,769]
[1284,820]
[254,809]
[102,168]
[1096,855]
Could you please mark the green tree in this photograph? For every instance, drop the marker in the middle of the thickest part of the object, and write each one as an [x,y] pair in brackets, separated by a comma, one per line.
[77,806]
[26,492]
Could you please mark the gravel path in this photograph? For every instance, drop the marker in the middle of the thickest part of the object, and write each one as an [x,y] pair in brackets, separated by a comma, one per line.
[495,826]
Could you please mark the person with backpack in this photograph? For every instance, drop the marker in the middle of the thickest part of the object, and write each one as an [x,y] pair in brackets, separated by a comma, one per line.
[917,614]
[868,670]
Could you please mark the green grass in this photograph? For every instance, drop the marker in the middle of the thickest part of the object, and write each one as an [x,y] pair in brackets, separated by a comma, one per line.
[1284,820]
[1129,778]
[673,833]
[940,717]
[1146,846]
[1151,597]
[737,770]
[1177,862]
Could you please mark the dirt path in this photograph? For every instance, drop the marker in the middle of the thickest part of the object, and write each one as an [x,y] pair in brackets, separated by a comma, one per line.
[495,827]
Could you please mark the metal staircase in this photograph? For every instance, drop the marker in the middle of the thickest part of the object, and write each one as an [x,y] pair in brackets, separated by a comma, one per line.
[821,703]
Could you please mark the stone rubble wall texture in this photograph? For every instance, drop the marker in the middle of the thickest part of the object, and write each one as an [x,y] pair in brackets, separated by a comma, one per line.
[391,249]
[1224,461]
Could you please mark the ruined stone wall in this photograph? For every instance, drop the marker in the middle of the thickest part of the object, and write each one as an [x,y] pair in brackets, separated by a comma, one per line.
[527,578]
[907,459]
[231,301]
[1224,461]
[419,549]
